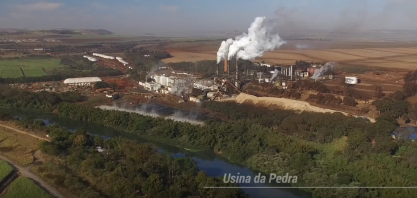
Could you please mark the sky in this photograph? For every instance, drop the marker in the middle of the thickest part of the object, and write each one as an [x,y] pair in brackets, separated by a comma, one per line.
[185,17]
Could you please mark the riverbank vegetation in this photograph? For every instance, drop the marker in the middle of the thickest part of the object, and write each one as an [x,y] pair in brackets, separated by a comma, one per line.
[5,170]
[24,187]
[91,167]
[322,149]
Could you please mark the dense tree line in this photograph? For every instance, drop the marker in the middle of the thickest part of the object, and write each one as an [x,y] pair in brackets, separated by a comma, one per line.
[125,168]
[307,144]
[20,99]
[77,63]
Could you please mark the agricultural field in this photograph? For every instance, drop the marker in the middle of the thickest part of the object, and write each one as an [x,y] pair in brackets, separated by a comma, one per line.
[29,67]
[18,147]
[24,187]
[5,169]
[364,54]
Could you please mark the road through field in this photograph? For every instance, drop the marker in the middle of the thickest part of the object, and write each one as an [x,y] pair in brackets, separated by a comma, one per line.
[23,132]
[24,171]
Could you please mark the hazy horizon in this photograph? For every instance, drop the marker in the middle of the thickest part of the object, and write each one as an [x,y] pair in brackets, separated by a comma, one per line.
[194,17]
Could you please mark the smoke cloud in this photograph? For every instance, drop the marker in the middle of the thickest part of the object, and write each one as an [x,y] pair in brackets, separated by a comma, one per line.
[251,45]
[153,112]
[322,71]
[224,50]
[274,75]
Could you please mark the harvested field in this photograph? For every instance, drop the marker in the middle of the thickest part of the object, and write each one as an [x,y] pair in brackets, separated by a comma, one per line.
[398,55]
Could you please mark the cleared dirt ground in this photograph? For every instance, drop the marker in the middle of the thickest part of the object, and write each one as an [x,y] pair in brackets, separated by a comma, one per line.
[399,55]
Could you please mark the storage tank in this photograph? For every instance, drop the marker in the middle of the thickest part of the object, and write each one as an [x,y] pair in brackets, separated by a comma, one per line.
[267,80]
[351,80]
[284,84]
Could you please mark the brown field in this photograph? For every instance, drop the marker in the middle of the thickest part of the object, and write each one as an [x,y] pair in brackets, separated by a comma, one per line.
[123,84]
[399,55]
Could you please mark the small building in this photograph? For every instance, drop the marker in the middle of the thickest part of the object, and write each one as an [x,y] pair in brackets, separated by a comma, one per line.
[86,81]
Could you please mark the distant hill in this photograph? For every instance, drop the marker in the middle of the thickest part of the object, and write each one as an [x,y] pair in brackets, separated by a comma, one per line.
[10,31]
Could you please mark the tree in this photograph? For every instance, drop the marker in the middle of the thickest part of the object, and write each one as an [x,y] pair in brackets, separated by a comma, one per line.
[398,95]
[410,88]
[349,101]
[101,84]
[378,92]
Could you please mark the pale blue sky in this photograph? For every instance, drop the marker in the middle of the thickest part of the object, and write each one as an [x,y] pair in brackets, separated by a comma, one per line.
[193,16]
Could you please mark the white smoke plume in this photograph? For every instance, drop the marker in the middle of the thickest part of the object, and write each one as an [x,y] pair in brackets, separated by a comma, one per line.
[274,75]
[301,46]
[251,45]
[176,116]
[224,50]
[155,68]
[320,72]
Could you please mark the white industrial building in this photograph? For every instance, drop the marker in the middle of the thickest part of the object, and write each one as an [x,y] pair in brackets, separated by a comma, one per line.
[151,86]
[85,81]
[92,59]
[103,56]
[351,80]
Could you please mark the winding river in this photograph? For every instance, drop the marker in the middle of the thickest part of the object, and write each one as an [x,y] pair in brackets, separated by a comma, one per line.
[214,165]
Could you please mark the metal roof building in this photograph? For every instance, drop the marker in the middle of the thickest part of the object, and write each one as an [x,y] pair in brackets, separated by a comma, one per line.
[82,81]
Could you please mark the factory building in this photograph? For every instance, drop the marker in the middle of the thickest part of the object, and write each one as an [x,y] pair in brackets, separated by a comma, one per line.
[103,56]
[151,86]
[92,59]
[86,81]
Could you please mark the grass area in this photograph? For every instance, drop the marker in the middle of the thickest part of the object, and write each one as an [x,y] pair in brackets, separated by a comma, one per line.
[31,67]
[24,187]
[5,169]
[17,147]
[10,72]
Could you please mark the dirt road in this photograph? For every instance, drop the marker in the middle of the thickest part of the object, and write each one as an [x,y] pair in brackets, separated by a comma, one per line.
[23,132]
[26,173]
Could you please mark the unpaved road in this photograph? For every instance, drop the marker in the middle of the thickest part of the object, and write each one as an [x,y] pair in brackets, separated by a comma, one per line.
[23,132]
[24,171]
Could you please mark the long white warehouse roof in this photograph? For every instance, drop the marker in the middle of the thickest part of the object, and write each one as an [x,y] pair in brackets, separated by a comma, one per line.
[82,80]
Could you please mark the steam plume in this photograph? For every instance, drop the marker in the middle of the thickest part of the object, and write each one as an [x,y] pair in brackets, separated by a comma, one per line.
[322,71]
[275,74]
[143,110]
[224,50]
[251,45]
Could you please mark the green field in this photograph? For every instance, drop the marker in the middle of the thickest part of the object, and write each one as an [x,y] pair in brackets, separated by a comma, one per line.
[31,67]
[23,187]
[5,169]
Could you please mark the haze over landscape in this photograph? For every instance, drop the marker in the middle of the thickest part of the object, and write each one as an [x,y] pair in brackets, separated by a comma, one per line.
[195,17]
[208,99]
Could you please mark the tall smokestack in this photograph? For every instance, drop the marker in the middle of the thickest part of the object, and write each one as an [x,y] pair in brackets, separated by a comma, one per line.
[228,68]
[237,71]
[291,72]
[225,65]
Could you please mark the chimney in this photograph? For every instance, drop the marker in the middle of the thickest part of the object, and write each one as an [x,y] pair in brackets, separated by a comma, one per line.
[237,71]
[291,72]
[225,65]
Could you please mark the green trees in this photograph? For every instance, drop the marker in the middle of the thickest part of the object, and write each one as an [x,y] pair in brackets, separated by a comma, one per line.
[124,169]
